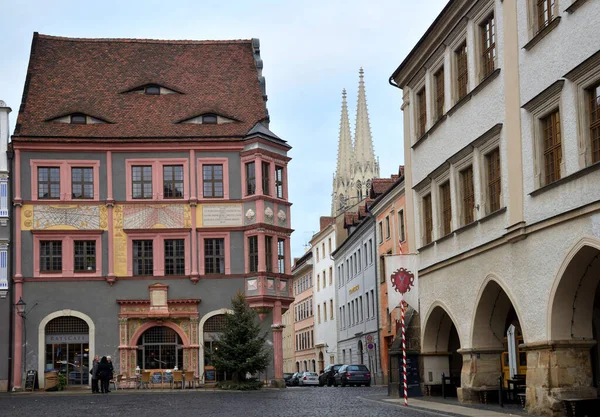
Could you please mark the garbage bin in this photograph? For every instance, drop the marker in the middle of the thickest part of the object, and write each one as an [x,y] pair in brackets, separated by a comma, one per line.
[50,380]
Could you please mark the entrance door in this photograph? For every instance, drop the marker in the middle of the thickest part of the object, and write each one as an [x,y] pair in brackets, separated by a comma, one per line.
[67,349]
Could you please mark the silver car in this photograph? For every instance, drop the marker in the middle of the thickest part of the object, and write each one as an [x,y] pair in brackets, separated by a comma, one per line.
[309,378]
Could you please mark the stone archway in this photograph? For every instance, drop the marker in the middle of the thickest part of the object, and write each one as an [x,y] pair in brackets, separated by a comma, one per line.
[573,328]
[488,359]
[203,320]
[321,362]
[440,347]
[42,336]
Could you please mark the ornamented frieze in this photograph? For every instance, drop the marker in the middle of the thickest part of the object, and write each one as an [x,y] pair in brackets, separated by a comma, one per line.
[156,216]
[72,217]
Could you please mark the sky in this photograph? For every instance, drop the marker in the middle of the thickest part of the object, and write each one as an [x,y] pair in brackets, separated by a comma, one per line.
[311,50]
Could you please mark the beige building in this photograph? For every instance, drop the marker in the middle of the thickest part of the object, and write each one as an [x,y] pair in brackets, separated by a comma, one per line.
[303,314]
[287,319]
[501,116]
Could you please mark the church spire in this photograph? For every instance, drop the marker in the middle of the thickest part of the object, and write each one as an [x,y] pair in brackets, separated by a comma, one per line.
[341,180]
[363,142]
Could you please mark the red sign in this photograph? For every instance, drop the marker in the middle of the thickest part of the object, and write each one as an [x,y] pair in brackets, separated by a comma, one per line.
[402,280]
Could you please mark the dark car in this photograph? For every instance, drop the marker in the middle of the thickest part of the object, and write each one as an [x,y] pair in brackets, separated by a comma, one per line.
[353,375]
[287,377]
[327,377]
[295,379]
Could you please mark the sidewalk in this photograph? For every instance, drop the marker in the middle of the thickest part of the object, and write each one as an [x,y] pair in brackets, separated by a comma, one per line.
[445,407]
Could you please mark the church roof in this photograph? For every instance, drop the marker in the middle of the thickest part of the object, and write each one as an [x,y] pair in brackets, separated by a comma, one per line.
[96,77]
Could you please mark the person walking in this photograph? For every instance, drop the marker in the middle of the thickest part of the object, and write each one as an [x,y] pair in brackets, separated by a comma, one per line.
[104,374]
[94,372]
[112,369]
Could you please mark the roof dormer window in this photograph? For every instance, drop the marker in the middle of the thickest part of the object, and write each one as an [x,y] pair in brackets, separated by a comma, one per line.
[209,119]
[152,90]
[78,119]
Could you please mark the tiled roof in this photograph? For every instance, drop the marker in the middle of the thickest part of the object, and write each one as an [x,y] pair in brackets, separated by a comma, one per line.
[92,76]
[380,185]
[325,221]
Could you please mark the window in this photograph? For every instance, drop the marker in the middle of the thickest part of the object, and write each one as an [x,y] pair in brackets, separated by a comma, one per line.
[48,183]
[382,277]
[212,181]
[317,253]
[387,227]
[365,250]
[279,181]
[323,249]
[545,13]
[380,232]
[266,167]
[594,112]
[439,93]
[324,311]
[152,90]
[446,208]
[370,251]
[552,147]
[462,71]
[173,181]
[141,182]
[143,263]
[368,305]
[330,275]
[253,253]
[468,194]
[78,119]
[494,181]
[359,260]
[401,225]
[329,240]
[488,45]
[318,282]
[250,179]
[281,255]
[214,256]
[82,182]
[269,253]
[362,311]
[372,304]
[84,252]
[174,257]
[50,256]
[422,120]
[319,313]
[324,278]
[427,220]
[209,119]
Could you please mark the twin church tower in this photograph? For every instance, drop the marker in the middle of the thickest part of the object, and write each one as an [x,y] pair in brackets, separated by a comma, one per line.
[356,162]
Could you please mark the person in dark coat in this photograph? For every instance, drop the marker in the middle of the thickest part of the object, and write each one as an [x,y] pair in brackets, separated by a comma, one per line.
[104,374]
[95,381]
[112,375]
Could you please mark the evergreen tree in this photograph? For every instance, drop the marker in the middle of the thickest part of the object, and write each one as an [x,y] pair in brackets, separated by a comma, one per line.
[241,346]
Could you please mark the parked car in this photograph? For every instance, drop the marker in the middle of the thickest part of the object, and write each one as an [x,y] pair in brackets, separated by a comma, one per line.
[287,377]
[309,378]
[294,380]
[353,375]
[327,376]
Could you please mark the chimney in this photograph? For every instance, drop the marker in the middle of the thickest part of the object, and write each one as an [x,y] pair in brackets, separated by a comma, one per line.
[325,221]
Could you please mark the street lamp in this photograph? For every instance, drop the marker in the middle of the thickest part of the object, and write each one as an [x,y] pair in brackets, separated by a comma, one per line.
[21,311]
[21,307]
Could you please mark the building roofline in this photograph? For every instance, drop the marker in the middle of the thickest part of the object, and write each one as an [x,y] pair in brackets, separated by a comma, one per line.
[354,233]
[142,40]
[388,191]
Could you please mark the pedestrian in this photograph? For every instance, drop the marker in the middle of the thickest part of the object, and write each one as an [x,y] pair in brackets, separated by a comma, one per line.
[112,369]
[94,373]
[104,374]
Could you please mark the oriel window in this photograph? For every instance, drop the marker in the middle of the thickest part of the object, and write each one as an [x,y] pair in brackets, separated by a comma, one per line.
[85,255]
[594,111]
[266,168]
[552,146]
[48,183]
[141,182]
[279,181]
[488,45]
[212,180]
[50,256]
[250,178]
[269,253]
[462,70]
[174,257]
[253,253]
[468,194]
[82,182]
[281,255]
[214,256]
[173,181]
[494,181]
[143,257]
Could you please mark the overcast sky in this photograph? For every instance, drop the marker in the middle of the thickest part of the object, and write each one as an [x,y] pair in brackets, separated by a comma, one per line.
[311,50]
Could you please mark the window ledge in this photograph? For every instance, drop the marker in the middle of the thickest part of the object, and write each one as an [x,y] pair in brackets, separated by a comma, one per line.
[445,237]
[427,246]
[429,132]
[542,33]
[492,215]
[460,103]
[466,227]
[486,80]
[568,178]
[574,6]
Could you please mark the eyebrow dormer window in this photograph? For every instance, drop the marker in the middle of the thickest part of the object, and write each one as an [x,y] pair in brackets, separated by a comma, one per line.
[152,90]
[78,119]
[209,119]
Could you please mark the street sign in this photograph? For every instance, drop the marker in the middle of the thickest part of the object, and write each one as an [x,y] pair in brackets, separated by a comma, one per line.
[369,338]
[370,346]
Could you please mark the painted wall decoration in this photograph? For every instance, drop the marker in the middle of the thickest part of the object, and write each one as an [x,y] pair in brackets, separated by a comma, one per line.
[119,242]
[282,217]
[157,216]
[73,216]
[222,215]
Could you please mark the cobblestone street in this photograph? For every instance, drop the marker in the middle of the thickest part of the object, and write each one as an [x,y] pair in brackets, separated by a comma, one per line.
[298,401]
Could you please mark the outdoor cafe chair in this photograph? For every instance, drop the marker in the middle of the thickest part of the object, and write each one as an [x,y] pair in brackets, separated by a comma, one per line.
[146,377]
[177,379]
[189,379]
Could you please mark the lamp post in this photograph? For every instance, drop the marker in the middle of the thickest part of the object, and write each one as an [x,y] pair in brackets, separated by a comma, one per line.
[21,311]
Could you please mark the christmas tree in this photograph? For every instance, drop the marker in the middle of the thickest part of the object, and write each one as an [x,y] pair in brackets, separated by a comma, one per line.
[241,346]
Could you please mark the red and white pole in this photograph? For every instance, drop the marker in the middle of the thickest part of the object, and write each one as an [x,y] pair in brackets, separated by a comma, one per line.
[402,309]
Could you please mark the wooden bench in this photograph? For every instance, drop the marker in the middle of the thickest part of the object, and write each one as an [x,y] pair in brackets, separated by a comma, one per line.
[584,406]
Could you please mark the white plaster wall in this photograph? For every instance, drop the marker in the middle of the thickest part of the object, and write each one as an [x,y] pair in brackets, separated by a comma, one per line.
[575,39]
[326,331]
[526,270]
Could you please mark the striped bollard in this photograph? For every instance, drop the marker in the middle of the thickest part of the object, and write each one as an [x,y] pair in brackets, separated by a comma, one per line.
[402,309]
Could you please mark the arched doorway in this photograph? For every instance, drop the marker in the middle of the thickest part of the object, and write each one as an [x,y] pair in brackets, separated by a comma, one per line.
[67,348]
[209,335]
[441,343]
[496,339]
[297,366]
[314,366]
[213,327]
[160,347]
[361,352]
[321,362]
[574,316]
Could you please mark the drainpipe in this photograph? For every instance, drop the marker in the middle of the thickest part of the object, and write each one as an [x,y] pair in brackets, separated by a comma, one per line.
[11,296]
